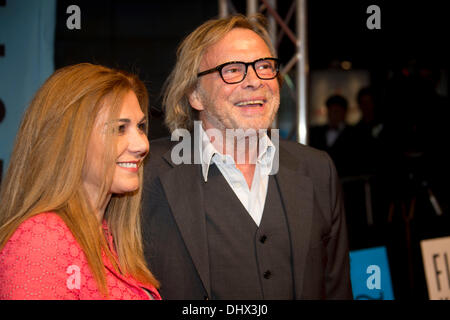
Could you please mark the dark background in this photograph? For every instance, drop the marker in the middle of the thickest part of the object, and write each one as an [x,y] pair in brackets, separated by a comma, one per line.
[142,36]
[404,59]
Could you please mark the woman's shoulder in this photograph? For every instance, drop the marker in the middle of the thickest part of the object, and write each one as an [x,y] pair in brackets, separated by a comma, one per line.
[47,226]
[34,261]
[51,219]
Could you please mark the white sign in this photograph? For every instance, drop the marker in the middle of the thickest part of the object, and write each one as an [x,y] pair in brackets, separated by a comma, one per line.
[436,261]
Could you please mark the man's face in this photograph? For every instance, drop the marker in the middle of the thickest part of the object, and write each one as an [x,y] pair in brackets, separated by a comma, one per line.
[251,103]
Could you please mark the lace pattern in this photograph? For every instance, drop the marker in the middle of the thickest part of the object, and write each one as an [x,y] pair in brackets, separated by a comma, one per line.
[42,260]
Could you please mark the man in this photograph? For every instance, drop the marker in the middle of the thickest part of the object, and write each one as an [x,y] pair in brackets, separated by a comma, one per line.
[227,228]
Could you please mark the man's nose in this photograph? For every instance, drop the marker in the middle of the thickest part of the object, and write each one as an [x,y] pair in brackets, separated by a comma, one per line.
[252,79]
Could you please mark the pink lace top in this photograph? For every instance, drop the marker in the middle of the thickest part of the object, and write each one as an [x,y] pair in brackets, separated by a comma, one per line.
[42,260]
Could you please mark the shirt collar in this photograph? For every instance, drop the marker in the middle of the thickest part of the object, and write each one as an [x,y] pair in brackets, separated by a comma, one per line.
[206,153]
[209,153]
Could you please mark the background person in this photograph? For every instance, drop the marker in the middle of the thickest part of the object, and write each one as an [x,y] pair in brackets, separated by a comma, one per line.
[337,138]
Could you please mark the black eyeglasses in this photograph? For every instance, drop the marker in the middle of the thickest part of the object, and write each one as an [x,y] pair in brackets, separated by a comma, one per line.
[236,71]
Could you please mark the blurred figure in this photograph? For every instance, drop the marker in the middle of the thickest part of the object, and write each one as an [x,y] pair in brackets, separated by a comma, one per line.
[370,114]
[70,202]
[352,148]
[369,135]
[336,137]
[417,174]
[416,126]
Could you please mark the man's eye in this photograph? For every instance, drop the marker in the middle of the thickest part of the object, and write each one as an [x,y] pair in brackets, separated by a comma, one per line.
[265,66]
[232,69]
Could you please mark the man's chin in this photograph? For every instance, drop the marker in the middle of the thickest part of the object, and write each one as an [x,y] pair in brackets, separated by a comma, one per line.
[256,125]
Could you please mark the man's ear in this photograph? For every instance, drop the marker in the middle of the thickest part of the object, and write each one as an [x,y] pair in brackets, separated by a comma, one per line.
[195,100]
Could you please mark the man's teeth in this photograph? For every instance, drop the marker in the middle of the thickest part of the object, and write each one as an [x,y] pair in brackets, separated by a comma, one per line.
[127,164]
[250,102]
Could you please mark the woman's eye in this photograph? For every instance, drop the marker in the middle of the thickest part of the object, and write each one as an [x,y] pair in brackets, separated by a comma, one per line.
[121,129]
[142,126]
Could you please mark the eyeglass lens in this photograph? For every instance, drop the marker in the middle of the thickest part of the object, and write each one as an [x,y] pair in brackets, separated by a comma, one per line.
[235,72]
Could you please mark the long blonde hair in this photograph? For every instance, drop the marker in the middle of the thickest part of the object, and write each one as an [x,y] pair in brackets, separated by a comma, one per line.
[183,78]
[46,167]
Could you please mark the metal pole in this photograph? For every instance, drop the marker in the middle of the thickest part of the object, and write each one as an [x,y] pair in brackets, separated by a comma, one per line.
[280,21]
[223,8]
[302,73]
[286,20]
[272,27]
[252,7]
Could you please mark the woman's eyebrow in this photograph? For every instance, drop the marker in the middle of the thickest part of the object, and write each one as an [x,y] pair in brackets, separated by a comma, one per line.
[144,118]
[119,120]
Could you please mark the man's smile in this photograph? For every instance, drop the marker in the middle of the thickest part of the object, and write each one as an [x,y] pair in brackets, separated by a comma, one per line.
[251,103]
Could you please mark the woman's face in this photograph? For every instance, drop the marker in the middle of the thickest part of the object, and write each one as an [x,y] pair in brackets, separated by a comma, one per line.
[132,147]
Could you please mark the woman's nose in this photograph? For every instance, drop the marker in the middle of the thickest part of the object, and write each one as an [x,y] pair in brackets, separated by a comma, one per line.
[138,143]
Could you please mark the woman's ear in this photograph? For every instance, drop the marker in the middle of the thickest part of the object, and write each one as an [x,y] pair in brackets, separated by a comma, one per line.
[195,100]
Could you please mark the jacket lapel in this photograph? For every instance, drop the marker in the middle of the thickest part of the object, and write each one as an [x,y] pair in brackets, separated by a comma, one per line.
[297,195]
[182,186]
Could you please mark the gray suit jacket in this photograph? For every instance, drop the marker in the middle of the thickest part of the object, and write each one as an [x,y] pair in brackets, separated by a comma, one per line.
[174,224]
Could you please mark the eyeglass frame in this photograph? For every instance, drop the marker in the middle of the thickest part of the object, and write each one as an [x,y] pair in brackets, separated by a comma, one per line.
[221,66]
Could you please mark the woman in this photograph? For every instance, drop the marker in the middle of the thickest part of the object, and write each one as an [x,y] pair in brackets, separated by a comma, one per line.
[70,203]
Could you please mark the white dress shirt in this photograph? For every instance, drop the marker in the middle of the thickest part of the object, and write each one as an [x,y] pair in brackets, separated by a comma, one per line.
[254,198]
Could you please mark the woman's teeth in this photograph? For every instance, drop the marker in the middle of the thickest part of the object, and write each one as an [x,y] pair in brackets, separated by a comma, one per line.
[127,164]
